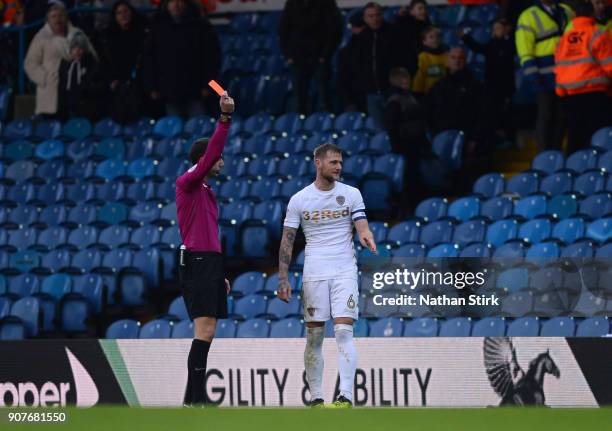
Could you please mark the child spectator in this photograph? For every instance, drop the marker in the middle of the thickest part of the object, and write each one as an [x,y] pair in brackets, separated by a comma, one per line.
[79,81]
[432,61]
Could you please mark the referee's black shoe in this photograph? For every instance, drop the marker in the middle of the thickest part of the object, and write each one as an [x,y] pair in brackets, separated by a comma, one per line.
[317,403]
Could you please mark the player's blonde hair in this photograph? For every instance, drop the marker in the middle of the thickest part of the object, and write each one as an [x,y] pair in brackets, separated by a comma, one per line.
[321,151]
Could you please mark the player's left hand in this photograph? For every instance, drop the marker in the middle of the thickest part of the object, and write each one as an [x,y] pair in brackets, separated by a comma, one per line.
[228,287]
[367,241]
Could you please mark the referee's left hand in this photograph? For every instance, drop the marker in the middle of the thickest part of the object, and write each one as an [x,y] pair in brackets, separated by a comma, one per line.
[228,287]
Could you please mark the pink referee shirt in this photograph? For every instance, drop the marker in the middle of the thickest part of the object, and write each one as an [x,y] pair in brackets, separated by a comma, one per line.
[196,205]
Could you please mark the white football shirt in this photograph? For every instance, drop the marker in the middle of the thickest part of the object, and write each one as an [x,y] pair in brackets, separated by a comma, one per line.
[327,220]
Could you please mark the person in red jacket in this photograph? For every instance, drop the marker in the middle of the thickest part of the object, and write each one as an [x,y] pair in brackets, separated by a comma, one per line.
[583,69]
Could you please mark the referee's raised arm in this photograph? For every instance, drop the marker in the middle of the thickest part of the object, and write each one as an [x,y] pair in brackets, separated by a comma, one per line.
[201,271]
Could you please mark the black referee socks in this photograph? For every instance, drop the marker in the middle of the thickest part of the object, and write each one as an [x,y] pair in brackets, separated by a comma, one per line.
[195,393]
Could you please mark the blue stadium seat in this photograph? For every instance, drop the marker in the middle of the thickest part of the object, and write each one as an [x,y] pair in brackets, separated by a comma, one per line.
[476,250]
[79,170]
[145,236]
[489,185]
[590,183]
[412,250]
[250,306]
[271,214]
[235,188]
[49,150]
[53,215]
[51,170]
[421,327]
[271,283]
[55,261]
[77,194]
[278,309]
[165,193]
[49,194]
[20,171]
[23,261]
[558,327]
[376,192]
[124,328]
[113,236]
[47,129]
[357,166]
[51,238]
[226,328]
[112,191]
[110,169]
[253,328]
[5,306]
[546,279]
[523,184]
[81,215]
[115,260]
[77,128]
[20,218]
[582,160]
[456,327]
[569,230]
[141,128]
[594,326]
[177,308]
[148,261]
[513,280]
[86,260]
[392,166]
[11,328]
[21,239]
[379,144]
[141,148]
[524,327]
[288,123]
[600,230]
[548,162]
[531,207]
[200,125]
[81,149]
[16,129]
[18,151]
[588,304]
[443,250]
[20,194]
[28,310]
[489,327]
[448,146]
[501,231]
[465,208]
[404,232]
[563,206]
[264,189]
[237,212]
[91,287]
[580,249]
[248,283]
[557,183]
[106,128]
[287,328]
[319,121]
[171,168]
[258,124]
[143,213]
[110,148]
[511,253]
[184,329]
[605,163]
[602,138]
[387,327]
[133,289]
[353,143]
[436,232]
[497,208]
[432,209]
[158,328]
[112,213]
[469,232]
[605,251]
[535,231]
[349,121]
[141,168]
[596,206]
[168,126]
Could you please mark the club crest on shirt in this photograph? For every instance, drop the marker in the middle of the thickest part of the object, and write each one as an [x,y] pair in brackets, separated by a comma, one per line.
[311,311]
[340,200]
[350,303]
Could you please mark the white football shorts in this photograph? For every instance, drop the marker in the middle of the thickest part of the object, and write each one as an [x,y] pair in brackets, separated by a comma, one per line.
[327,299]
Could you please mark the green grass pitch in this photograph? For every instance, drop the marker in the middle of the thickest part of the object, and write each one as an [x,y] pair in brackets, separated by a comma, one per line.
[286,419]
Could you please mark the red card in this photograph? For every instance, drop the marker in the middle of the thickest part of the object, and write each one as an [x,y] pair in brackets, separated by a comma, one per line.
[218,89]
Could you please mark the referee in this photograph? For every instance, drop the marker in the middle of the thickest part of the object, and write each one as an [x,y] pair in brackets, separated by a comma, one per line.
[203,282]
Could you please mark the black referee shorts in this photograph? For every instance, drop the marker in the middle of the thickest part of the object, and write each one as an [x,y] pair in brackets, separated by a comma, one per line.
[203,283]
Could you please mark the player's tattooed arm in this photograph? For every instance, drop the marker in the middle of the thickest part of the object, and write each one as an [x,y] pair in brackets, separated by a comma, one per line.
[284,260]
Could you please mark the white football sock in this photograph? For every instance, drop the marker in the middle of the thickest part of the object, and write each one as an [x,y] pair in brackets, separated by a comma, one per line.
[347,359]
[313,361]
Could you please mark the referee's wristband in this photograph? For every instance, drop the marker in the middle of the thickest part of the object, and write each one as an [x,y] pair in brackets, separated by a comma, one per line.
[225,118]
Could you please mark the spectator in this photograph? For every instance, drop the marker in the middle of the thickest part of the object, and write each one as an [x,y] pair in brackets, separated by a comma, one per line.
[432,61]
[374,53]
[406,123]
[603,13]
[182,56]
[457,102]
[48,48]
[309,33]
[12,13]
[584,72]
[79,81]
[537,34]
[409,26]
[123,50]
[499,55]
[344,82]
